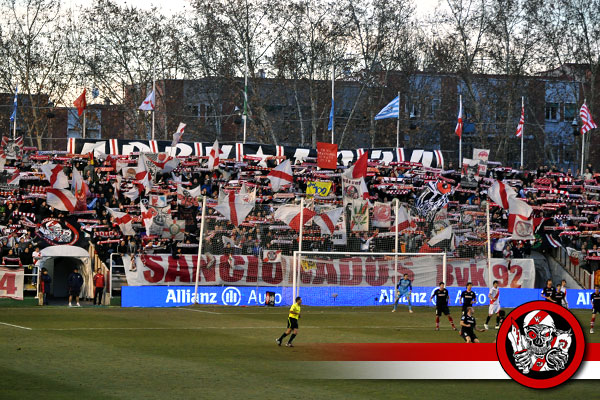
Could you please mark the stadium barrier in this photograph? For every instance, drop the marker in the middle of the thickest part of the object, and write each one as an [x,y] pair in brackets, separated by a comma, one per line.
[177,296]
[583,277]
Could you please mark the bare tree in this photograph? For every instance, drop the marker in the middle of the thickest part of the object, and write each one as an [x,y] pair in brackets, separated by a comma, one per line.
[36,49]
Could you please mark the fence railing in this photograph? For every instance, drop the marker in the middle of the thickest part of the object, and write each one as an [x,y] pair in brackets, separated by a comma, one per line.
[583,277]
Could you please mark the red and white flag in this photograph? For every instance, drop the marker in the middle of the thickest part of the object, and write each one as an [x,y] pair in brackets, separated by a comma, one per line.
[235,206]
[148,103]
[281,176]
[459,125]
[587,122]
[405,220]
[519,222]
[147,216]
[61,199]
[214,156]
[359,169]
[177,135]
[142,177]
[163,161]
[55,175]
[328,220]
[79,184]
[124,220]
[290,214]
[500,193]
[521,122]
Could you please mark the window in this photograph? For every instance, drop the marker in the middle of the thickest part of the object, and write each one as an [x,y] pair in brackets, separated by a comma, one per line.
[192,110]
[435,106]
[551,111]
[570,112]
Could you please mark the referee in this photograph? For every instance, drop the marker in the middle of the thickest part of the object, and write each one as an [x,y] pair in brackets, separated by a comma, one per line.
[292,324]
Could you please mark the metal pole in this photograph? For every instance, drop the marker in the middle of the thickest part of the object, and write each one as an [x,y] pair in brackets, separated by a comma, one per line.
[398,124]
[245,115]
[301,232]
[294,280]
[489,244]
[397,235]
[15,125]
[110,272]
[332,102]
[460,138]
[444,266]
[582,148]
[154,105]
[522,129]
[200,238]
[84,123]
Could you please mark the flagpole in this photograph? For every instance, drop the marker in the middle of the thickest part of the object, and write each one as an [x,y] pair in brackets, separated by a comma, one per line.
[154,105]
[245,115]
[15,119]
[84,124]
[15,127]
[460,138]
[398,124]
[332,102]
[522,129]
[582,147]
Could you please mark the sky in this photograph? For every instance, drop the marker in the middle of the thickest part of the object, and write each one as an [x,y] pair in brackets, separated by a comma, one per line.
[170,7]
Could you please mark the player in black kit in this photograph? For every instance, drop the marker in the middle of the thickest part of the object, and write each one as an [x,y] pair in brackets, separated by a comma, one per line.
[441,305]
[559,295]
[548,292]
[595,300]
[468,326]
[468,298]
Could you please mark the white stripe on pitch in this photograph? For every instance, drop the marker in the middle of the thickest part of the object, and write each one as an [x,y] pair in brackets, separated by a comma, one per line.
[424,369]
[15,326]
[407,369]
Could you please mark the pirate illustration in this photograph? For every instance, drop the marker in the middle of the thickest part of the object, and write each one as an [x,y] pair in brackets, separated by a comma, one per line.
[540,346]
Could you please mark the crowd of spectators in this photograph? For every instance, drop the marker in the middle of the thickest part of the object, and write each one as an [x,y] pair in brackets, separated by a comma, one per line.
[566,207]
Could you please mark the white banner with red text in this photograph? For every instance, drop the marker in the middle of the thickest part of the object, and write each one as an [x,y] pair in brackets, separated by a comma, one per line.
[163,269]
[11,283]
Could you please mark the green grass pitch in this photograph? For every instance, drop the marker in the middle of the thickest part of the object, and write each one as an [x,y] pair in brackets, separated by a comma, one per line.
[220,353]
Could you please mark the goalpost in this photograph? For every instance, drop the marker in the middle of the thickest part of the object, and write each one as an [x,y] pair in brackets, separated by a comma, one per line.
[356,278]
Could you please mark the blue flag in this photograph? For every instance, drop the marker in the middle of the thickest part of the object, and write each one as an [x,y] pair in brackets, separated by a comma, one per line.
[14,113]
[330,125]
[389,111]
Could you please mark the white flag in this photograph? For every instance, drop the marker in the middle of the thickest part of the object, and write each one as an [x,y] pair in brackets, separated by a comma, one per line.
[177,135]
[328,220]
[148,103]
[55,175]
[61,199]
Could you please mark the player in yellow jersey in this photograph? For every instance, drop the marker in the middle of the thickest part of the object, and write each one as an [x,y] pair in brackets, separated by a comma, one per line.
[292,324]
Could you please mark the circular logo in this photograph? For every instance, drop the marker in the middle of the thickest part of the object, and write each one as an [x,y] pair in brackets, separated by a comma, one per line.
[540,344]
[57,232]
[231,296]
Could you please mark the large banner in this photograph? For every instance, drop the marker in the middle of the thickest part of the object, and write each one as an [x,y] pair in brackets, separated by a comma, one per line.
[162,269]
[175,296]
[239,150]
[11,283]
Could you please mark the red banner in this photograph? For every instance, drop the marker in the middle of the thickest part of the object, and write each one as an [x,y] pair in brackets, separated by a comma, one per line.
[327,155]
